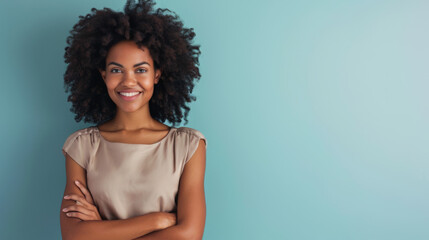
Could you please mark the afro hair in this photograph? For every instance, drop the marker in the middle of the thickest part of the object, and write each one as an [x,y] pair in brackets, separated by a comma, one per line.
[169,43]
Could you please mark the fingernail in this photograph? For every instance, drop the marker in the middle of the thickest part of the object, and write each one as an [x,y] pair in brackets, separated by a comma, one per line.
[64,209]
[77,182]
[66,196]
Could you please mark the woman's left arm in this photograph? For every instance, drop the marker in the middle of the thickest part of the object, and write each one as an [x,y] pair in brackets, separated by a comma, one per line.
[191,206]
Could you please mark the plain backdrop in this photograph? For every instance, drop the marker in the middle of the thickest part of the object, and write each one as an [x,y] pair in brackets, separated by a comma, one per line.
[316,115]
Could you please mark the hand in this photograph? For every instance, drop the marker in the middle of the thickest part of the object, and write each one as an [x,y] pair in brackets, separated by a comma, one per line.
[166,219]
[84,208]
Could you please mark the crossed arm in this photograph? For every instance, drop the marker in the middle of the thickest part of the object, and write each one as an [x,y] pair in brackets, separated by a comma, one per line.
[191,211]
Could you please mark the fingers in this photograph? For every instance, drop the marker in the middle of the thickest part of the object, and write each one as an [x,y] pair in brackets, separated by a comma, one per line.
[85,192]
[79,215]
[79,199]
[76,208]
[82,209]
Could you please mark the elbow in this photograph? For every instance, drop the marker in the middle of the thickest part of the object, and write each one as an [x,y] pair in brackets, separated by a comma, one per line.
[70,236]
[194,237]
[73,237]
[72,232]
[192,233]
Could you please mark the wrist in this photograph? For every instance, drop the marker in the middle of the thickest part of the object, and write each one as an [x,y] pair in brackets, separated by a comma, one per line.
[162,220]
[158,220]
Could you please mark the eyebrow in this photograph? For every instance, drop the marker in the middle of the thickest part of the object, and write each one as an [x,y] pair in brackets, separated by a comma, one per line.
[135,65]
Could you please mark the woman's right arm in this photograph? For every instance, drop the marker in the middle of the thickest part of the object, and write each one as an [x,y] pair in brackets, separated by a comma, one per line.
[73,228]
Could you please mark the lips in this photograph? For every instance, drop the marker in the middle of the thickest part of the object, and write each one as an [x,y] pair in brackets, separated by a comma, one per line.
[129,93]
[129,90]
[129,97]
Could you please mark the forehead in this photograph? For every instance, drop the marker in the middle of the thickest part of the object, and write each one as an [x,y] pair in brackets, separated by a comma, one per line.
[128,52]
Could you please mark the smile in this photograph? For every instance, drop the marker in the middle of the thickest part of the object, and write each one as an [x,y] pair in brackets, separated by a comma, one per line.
[129,96]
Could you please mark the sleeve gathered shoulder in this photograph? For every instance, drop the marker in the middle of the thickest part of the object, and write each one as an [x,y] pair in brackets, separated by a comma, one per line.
[194,137]
[77,146]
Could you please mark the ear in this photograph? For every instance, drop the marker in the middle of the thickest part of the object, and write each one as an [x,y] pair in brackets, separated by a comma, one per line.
[157,75]
[102,73]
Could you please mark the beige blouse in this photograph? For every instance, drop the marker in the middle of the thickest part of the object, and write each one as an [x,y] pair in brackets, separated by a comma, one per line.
[127,179]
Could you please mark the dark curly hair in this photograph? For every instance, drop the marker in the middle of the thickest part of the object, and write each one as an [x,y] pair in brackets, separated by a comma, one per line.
[168,41]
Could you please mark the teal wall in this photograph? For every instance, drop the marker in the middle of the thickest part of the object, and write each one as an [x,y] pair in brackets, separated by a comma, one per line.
[316,114]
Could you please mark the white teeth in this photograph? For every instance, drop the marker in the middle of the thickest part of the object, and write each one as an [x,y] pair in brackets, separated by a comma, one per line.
[129,94]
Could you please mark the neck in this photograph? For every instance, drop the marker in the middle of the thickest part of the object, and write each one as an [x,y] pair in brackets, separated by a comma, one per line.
[129,121]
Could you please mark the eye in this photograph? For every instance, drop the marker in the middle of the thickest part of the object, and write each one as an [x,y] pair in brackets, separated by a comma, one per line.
[141,70]
[115,70]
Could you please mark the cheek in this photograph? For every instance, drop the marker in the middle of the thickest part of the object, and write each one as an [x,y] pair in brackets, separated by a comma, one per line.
[111,84]
[146,82]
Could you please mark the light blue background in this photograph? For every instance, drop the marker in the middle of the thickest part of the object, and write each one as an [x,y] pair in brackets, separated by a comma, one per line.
[316,115]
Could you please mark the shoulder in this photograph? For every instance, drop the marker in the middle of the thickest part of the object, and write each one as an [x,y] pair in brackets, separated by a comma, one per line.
[189,139]
[88,134]
[82,131]
[190,131]
[191,136]
[80,144]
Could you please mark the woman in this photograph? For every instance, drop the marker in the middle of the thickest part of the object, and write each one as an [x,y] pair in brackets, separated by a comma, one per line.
[130,176]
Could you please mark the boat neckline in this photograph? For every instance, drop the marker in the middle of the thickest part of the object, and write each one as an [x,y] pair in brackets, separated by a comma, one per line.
[170,130]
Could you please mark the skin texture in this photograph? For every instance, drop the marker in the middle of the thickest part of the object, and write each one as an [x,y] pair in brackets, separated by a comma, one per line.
[133,124]
[130,114]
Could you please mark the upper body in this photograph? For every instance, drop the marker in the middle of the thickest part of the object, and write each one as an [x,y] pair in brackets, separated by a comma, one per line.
[132,179]
[131,77]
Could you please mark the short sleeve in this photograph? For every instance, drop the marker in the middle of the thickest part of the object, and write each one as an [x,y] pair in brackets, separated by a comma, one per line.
[77,146]
[194,139]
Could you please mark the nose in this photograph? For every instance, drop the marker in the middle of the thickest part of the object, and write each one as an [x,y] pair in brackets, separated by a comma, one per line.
[129,78]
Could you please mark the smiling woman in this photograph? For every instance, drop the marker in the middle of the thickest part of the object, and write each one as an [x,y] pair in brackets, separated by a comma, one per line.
[130,85]
[140,179]
[157,34]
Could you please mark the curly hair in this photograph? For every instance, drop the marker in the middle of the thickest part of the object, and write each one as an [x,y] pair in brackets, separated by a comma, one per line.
[168,41]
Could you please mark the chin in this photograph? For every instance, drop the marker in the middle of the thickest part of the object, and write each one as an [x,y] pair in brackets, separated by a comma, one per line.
[129,110]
